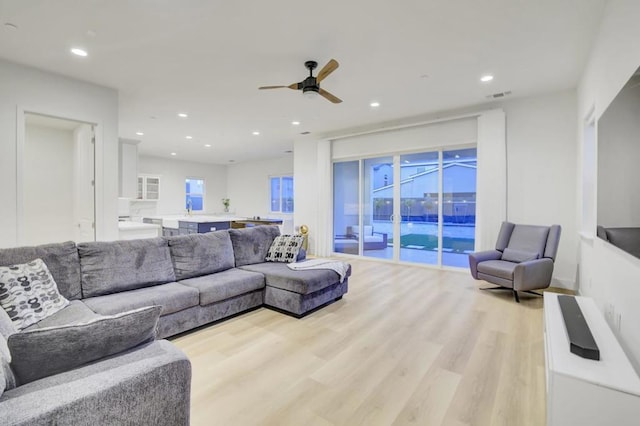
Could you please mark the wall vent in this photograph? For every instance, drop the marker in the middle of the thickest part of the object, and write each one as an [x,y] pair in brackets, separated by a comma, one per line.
[305,133]
[499,95]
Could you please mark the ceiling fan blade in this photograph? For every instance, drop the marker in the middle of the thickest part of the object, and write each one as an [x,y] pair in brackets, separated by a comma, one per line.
[270,87]
[329,96]
[331,66]
[295,86]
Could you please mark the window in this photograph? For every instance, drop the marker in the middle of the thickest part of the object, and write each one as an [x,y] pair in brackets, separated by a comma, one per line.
[194,199]
[282,194]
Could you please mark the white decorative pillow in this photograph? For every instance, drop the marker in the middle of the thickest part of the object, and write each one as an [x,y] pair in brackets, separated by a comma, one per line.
[28,293]
[285,248]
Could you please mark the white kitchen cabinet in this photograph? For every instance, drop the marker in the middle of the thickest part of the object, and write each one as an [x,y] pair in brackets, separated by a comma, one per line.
[581,391]
[148,187]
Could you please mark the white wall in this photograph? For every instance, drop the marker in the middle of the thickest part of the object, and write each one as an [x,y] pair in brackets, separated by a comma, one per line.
[128,166]
[28,89]
[541,165]
[541,171]
[305,184]
[609,275]
[618,158]
[48,191]
[248,188]
[172,184]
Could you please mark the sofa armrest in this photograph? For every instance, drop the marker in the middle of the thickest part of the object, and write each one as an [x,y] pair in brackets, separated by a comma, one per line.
[533,274]
[149,384]
[482,256]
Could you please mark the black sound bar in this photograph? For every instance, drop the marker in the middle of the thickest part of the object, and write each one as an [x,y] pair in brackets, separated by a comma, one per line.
[581,340]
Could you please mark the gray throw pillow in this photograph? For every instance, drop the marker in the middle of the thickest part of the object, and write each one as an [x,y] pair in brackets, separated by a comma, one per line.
[47,351]
[28,293]
[285,248]
[518,256]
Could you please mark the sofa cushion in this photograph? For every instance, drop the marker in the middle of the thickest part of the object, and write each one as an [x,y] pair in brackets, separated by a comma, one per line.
[285,248]
[28,293]
[513,255]
[498,268]
[201,254]
[302,282]
[48,351]
[115,266]
[61,259]
[225,285]
[173,297]
[75,313]
[250,245]
[529,238]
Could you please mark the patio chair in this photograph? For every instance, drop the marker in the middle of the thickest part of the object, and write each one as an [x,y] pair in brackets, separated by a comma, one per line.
[522,261]
[371,240]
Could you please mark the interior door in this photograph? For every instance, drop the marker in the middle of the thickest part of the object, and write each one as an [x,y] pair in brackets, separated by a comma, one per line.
[84,139]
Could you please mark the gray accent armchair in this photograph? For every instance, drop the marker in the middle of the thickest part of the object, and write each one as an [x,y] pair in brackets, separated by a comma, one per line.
[522,261]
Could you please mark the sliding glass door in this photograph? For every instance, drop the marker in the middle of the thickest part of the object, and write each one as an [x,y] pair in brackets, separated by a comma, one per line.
[419,188]
[346,210]
[417,207]
[377,208]
[458,206]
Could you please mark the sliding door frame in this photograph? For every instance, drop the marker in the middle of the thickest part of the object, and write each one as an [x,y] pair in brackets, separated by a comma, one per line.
[397,218]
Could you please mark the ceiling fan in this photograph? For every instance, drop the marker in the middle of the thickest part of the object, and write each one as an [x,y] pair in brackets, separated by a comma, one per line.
[310,86]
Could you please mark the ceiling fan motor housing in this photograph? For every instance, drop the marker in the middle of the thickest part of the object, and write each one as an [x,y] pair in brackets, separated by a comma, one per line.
[310,84]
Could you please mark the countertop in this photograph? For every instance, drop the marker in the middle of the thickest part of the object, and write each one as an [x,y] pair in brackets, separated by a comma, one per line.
[136,226]
[171,221]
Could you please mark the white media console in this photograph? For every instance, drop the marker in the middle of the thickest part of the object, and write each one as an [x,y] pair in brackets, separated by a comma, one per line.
[580,391]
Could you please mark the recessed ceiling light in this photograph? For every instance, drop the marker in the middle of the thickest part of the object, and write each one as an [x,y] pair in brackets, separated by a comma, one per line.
[183,115]
[173,153]
[486,78]
[374,104]
[295,123]
[256,133]
[10,26]
[188,137]
[79,52]
[140,133]
[207,146]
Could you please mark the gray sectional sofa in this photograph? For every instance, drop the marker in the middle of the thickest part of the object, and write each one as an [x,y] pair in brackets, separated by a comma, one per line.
[196,279]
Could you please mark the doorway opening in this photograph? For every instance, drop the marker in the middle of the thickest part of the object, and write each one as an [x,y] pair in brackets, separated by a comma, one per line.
[57,170]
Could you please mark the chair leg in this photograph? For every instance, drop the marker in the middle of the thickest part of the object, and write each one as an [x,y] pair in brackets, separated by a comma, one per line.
[515,295]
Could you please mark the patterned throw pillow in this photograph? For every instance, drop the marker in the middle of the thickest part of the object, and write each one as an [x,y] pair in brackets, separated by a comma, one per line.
[28,293]
[285,248]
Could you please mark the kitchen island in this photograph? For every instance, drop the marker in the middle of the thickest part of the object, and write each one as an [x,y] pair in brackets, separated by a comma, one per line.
[198,224]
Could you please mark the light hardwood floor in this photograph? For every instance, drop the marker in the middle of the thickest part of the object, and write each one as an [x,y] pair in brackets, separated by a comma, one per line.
[406,345]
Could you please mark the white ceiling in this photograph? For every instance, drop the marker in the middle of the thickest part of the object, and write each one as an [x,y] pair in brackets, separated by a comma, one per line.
[207,58]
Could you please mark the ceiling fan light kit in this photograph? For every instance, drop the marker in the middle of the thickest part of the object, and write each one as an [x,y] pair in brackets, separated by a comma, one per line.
[310,86]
